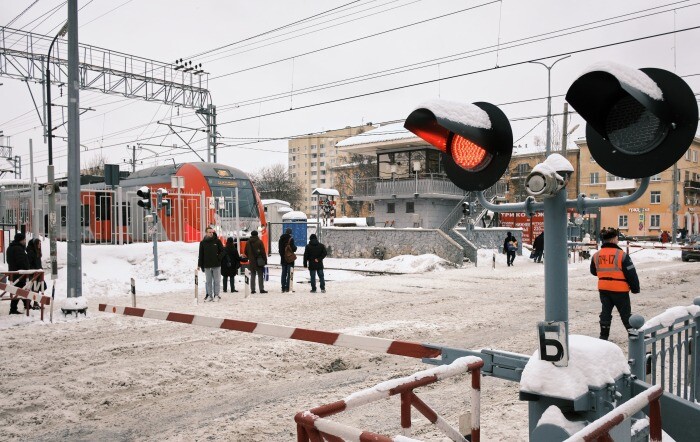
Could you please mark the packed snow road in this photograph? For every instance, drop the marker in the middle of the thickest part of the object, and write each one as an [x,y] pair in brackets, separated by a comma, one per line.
[108,377]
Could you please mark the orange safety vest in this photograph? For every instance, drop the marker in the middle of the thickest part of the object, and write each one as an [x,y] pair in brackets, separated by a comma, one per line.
[608,264]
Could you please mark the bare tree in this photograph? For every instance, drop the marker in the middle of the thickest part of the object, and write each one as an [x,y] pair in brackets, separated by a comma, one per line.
[274,182]
[94,166]
[350,179]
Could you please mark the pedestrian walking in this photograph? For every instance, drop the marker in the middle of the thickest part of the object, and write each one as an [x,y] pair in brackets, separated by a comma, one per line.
[17,259]
[616,278]
[257,260]
[314,253]
[287,257]
[210,254]
[510,246]
[34,256]
[230,264]
[538,245]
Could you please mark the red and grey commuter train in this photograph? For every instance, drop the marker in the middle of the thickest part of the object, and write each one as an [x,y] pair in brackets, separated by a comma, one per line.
[207,198]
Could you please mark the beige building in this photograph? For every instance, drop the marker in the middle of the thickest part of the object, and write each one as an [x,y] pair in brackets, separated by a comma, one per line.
[652,213]
[312,160]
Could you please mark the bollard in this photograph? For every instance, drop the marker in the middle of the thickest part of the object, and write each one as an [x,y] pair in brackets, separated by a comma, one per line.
[53,293]
[246,281]
[133,293]
[196,286]
[637,350]
[493,264]
[291,279]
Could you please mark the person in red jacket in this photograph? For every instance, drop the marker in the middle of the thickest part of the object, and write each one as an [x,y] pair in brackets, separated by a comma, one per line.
[616,278]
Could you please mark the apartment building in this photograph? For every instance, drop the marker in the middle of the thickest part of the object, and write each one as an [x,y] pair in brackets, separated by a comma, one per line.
[653,212]
[312,159]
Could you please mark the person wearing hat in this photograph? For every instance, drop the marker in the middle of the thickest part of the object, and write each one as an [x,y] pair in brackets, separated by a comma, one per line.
[17,259]
[209,260]
[616,278]
[286,249]
[257,260]
[313,259]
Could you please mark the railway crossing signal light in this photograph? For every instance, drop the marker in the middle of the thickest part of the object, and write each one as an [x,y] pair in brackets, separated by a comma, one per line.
[639,122]
[145,194]
[476,140]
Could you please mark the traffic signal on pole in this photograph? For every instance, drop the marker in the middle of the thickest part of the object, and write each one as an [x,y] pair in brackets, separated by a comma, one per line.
[639,121]
[476,140]
[145,194]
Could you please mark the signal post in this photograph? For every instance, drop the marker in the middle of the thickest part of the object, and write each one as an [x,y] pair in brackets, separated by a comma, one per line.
[639,123]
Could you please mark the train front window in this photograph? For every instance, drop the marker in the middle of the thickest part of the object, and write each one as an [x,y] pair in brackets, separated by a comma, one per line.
[226,188]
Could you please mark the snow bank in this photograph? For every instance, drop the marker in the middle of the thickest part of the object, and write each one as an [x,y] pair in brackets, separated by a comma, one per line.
[670,316]
[584,370]
[397,264]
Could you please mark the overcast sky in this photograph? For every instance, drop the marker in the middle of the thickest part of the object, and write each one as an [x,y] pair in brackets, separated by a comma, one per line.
[166,30]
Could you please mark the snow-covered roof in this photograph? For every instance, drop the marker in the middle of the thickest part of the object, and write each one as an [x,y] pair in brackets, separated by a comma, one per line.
[295,214]
[344,220]
[274,201]
[520,151]
[325,192]
[13,182]
[284,209]
[629,76]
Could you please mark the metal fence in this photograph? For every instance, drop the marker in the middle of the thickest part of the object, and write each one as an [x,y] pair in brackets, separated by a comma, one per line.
[668,354]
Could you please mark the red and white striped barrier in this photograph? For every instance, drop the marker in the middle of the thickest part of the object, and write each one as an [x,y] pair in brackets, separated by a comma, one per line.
[37,277]
[312,425]
[600,428]
[379,345]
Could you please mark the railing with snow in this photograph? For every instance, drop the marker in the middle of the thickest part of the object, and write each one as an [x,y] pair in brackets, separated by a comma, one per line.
[599,430]
[32,289]
[665,350]
[312,424]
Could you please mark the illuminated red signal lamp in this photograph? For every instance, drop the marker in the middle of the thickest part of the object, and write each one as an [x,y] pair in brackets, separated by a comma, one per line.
[476,140]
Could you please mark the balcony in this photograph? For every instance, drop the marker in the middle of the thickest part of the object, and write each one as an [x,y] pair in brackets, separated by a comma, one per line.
[368,189]
[621,184]
[691,186]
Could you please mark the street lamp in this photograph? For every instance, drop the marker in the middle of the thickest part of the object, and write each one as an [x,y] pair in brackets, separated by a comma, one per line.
[50,172]
[548,147]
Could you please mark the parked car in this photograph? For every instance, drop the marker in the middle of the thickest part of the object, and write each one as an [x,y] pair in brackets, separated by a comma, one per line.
[622,237]
[691,250]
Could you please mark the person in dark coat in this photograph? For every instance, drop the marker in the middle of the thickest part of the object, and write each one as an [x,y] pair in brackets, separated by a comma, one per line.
[286,240]
[313,259]
[257,260]
[616,278]
[17,259]
[538,246]
[210,253]
[34,255]
[510,247]
[230,263]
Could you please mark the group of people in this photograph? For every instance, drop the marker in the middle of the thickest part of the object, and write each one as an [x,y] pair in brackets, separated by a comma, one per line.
[23,256]
[216,260]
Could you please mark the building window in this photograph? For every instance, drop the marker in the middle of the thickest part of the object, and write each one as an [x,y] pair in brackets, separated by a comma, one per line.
[655,221]
[323,181]
[595,179]
[410,208]
[313,181]
[322,154]
[655,197]
[313,147]
[622,222]
[695,156]
[687,154]
[594,196]
[656,177]
[390,207]
[321,146]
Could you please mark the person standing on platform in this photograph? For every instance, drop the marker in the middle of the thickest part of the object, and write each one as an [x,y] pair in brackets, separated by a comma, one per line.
[257,260]
[210,253]
[286,249]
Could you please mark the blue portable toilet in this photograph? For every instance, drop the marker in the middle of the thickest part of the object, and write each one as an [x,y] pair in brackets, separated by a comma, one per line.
[297,222]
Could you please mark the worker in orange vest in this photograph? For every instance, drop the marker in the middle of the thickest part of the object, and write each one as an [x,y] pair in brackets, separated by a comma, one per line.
[616,278]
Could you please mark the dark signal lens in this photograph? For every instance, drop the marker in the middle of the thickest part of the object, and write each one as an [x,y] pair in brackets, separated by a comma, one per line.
[632,128]
[469,155]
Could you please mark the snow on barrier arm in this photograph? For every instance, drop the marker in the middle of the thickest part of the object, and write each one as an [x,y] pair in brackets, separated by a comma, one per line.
[313,426]
[381,345]
[600,428]
[37,277]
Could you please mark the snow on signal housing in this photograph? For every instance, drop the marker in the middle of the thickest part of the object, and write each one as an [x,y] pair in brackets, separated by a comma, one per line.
[476,140]
[639,122]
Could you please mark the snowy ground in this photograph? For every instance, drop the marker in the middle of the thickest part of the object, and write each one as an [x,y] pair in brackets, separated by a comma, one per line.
[107,377]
